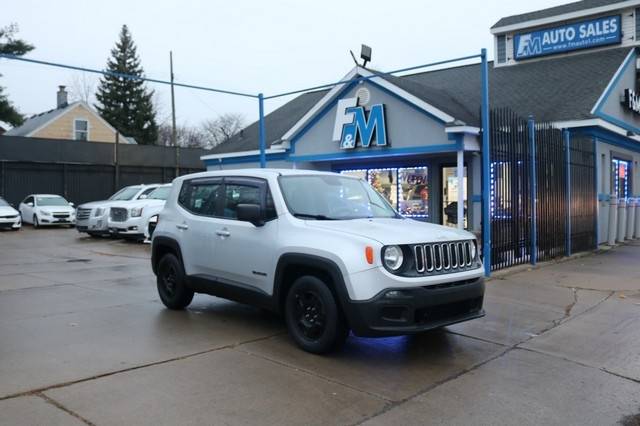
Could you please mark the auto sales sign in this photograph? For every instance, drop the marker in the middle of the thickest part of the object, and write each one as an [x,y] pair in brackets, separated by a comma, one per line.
[579,35]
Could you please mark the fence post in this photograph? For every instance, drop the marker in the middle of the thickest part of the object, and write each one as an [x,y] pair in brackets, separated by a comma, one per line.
[262,136]
[534,191]
[2,179]
[116,168]
[486,219]
[567,148]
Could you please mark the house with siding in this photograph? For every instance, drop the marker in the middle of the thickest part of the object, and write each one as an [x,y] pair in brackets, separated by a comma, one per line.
[70,121]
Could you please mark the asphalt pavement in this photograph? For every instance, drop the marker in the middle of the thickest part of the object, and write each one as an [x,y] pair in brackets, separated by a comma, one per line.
[85,340]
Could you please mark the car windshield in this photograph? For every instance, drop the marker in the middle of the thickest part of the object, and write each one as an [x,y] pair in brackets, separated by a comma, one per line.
[328,197]
[3,203]
[125,194]
[161,193]
[51,201]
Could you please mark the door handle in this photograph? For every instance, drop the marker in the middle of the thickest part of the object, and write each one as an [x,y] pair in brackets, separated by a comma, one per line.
[223,233]
[182,226]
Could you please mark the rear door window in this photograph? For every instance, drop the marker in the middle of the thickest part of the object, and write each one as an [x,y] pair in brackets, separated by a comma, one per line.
[201,198]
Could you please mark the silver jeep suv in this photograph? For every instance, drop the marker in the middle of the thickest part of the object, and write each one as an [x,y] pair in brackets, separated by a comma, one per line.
[324,250]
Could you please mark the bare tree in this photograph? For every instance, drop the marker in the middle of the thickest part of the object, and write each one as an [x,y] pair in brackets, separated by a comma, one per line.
[222,128]
[186,136]
[82,88]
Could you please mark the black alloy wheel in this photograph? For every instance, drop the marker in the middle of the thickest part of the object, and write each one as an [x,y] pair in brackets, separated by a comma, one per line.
[313,317]
[172,288]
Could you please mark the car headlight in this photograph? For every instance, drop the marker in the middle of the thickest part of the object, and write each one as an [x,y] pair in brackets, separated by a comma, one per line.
[473,246]
[136,212]
[392,257]
[99,212]
[45,213]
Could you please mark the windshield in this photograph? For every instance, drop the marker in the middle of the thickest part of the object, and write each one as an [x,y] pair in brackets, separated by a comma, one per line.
[51,201]
[125,194]
[327,197]
[161,193]
[3,203]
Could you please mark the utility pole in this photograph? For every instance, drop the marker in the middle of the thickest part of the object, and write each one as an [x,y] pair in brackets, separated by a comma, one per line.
[174,139]
[116,168]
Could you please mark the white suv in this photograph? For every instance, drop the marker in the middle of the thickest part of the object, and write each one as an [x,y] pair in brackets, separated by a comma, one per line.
[93,217]
[325,250]
[130,219]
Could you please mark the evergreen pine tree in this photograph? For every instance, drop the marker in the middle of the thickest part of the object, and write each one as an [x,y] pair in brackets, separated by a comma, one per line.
[125,103]
[12,46]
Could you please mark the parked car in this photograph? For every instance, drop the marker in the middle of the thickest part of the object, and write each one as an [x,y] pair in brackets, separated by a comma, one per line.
[93,217]
[325,250]
[47,209]
[130,219]
[9,217]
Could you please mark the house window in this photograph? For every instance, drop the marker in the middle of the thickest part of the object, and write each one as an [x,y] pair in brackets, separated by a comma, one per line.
[621,178]
[502,49]
[81,130]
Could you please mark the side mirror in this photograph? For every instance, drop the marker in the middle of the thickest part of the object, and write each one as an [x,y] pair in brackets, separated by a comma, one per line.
[250,213]
[71,204]
[30,204]
[142,197]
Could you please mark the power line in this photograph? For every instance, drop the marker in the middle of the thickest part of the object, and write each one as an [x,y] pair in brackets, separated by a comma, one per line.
[126,76]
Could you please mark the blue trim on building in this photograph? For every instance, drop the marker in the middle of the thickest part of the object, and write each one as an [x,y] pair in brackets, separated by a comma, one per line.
[608,137]
[244,159]
[383,152]
[476,198]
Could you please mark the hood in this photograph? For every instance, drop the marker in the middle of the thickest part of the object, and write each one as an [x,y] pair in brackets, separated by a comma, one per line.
[138,203]
[394,231]
[57,209]
[94,204]
[8,211]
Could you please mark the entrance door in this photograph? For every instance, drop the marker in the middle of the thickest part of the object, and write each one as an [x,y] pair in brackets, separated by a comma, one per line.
[449,213]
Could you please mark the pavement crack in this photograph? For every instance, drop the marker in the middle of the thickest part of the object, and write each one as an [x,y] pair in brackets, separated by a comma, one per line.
[58,405]
[314,374]
[138,367]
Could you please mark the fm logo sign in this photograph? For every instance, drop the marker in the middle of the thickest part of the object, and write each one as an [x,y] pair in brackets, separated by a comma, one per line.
[529,46]
[353,124]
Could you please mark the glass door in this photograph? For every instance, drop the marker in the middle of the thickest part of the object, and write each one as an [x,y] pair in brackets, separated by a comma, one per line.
[449,216]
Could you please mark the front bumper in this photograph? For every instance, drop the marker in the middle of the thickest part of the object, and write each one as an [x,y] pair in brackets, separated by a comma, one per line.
[416,309]
[10,223]
[50,220]
[131,228]
[95,225]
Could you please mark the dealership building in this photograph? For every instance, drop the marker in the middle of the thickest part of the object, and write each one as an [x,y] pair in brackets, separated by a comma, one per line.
[417,138]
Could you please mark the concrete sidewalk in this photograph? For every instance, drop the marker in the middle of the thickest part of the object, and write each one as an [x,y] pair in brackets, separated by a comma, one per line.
[84,340]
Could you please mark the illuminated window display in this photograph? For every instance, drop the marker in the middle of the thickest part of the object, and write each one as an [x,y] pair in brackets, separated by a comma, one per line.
[406,189]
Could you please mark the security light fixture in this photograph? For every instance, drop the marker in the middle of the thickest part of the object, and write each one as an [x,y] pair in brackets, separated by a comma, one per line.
[365,54]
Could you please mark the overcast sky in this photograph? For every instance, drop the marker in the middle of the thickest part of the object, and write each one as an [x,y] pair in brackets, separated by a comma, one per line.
[250,46]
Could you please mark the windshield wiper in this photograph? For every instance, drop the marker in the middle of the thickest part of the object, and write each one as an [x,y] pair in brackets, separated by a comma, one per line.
[313,216]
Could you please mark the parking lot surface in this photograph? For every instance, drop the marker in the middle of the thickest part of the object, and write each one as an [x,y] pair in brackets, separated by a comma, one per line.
[85,340]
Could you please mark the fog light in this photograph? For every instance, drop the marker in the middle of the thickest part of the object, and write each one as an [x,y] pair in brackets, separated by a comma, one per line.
[395,294]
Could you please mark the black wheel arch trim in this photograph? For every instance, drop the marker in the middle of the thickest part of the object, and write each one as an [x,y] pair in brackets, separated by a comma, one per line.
[159,242]
[312,261]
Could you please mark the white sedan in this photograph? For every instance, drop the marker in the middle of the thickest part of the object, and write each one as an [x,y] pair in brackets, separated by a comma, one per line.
[47,209]
[9,217]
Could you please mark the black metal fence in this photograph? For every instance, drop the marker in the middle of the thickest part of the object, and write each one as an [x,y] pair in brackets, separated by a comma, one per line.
[85,171]
[513,189]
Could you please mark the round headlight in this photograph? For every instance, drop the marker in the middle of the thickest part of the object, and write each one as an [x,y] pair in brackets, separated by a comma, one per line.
[473,247]
[392,257]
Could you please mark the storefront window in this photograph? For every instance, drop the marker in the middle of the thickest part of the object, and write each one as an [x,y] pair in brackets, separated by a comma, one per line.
[406,189]
[621,178]
[385,181]
[414,192]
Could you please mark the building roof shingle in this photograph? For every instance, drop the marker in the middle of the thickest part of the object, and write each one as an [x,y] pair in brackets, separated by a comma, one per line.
[553,11]
[558,89]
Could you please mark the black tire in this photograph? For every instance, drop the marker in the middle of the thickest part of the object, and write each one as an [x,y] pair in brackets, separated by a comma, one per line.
[171,283]
[35,221]
[313,318]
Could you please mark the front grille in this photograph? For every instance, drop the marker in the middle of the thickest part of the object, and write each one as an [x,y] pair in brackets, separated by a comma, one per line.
[61,215]
[452,256]
[13,216]
[118,214]
[83,214]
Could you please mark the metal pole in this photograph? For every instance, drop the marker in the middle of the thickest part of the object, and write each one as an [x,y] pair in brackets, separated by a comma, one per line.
[486,220]
[116,171]
[262,136]
[567,148]
[534,190]
[461,188]
[174,138]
